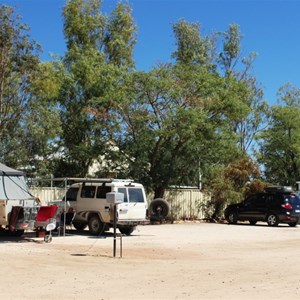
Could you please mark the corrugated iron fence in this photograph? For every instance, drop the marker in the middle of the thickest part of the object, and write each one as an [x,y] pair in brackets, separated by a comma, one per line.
[47,194]
[185,204]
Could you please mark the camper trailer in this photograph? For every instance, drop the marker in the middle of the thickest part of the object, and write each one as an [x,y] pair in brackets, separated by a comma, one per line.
[18,208]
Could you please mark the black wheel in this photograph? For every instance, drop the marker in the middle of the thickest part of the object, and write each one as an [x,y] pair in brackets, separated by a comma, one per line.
[232,218]
[272,220]
[128,230]
[96,226]
[252,222]
[294,224]
[79,226]
[159,208]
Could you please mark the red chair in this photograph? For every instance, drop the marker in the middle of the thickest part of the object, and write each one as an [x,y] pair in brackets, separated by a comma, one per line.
[45,213]
[46,220]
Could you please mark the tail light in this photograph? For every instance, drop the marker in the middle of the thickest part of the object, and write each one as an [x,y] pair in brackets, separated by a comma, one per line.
[287,206]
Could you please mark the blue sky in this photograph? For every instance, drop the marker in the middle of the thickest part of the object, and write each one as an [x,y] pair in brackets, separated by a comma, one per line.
[270,28]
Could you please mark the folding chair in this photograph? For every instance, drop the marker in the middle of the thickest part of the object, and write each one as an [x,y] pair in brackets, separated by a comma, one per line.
[46,219]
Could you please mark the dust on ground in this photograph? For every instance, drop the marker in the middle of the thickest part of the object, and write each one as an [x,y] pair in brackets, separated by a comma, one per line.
[168,261]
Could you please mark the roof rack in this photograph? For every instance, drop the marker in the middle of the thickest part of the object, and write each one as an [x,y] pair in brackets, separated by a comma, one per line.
[277,188]
[77,179]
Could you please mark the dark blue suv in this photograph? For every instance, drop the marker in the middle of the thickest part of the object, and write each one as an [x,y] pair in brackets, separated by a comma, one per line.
[277,204]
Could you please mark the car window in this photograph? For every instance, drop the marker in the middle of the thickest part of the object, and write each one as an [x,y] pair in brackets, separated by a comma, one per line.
[261,200]
[123,191]
[72,194]
[88,191]
[251,200]
[256,200]
[269,199]
[135,195]
[278,199]
[102,191]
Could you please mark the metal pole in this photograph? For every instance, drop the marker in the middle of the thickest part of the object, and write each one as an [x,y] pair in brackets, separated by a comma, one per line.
[121,246]
[115,229]
[65,208]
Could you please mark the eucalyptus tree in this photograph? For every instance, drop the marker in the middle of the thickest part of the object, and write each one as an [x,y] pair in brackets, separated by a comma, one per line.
[221,95]
[42,126]
[27,117]
[231,99]
[19,61]
[120,36]
[192,48]
[279,144]
[98,49]
[234,64]
[175,117]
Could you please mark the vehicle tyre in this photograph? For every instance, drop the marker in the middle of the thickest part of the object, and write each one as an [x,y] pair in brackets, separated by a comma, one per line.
[96,226]
[159,208]
[272,220]
[252,222]
[294,224]
[128,230]
[232,218]
[79,226]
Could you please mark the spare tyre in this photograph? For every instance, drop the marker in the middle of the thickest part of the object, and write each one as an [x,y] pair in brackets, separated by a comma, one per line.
[159,208]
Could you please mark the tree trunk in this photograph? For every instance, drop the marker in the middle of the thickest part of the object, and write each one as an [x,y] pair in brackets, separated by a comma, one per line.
[159,192]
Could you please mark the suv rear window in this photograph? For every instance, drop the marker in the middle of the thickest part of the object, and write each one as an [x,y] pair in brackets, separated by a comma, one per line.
[292,199]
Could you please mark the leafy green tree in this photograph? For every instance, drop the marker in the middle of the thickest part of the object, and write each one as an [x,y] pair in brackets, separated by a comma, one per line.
[191,47]
[232,102]
[120,36]
[19,61]
[172,123]
[178,118]
[229,57]
[279,146]
[251,101]
[157,131]
[98,53]
[42,126]
[233,183]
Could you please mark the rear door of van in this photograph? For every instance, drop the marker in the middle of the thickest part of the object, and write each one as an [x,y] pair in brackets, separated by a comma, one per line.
[135,204]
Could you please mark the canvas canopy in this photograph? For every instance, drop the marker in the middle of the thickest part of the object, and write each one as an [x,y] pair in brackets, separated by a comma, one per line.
[13,184]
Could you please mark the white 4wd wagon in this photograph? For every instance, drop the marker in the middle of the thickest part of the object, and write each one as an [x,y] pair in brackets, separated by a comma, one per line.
[92,208]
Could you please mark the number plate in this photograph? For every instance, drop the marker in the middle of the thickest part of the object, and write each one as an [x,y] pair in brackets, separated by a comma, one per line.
[297,210]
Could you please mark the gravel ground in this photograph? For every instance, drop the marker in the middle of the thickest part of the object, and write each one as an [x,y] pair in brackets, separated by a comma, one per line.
[168,261]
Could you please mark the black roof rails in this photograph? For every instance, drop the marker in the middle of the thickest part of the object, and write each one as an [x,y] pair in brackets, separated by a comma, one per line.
[278,188]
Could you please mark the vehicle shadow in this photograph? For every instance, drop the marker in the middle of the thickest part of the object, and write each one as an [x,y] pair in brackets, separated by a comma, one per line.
[260,224]
[27,237]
